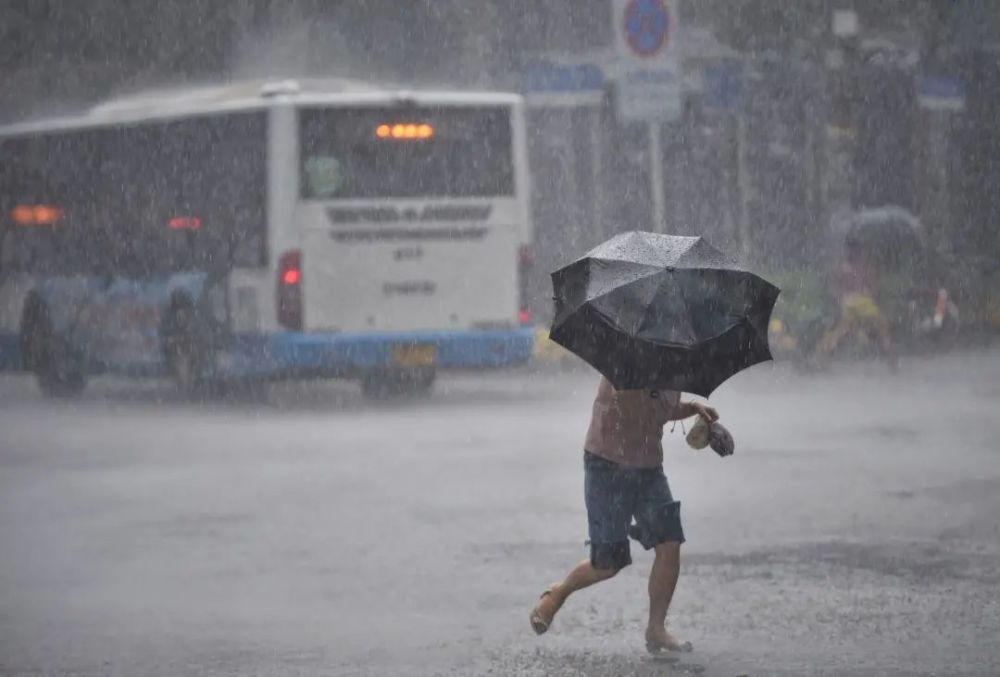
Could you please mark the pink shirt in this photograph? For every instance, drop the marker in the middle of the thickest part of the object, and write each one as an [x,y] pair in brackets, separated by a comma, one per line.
[855,278]
[627,425]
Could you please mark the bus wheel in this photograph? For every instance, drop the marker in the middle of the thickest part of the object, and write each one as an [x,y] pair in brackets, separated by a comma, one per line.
[186,354]
[384,384]
[423,381]
[57,368]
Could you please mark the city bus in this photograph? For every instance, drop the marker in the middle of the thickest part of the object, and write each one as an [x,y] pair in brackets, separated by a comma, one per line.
[256,231]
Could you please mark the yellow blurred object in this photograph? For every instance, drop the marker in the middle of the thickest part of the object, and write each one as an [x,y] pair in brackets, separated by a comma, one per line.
[777,326]
[547,350]
[786,342]
[857,307]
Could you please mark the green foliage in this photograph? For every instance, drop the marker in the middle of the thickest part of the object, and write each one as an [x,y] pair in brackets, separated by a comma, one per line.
[804,295]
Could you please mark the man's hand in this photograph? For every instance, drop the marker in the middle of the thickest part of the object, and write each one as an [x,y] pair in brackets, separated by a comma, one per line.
[706,412]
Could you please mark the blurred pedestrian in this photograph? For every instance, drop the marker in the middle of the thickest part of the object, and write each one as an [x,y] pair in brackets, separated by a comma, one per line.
[624,481]
[856,284]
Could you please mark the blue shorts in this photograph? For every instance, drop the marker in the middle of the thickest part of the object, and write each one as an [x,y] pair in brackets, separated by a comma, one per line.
[616,495]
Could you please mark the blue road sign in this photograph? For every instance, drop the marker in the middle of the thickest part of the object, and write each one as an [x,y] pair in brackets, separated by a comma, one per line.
[647,26]
[553,84]
[647,68]
[548,77]
[723,86]
[941,93]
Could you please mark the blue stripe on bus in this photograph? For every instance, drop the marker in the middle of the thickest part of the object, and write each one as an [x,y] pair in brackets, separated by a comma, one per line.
[291,353]
[319,353]
[265,355]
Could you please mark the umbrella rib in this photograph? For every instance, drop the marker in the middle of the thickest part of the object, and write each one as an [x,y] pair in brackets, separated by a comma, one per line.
[648,272]
[740,319]
[610,323]
[652,271]
[687,310]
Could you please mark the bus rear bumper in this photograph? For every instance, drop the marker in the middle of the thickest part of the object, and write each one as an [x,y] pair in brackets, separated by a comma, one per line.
[291,354]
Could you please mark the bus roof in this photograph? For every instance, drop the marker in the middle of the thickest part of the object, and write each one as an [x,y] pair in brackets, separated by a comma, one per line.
[180,102]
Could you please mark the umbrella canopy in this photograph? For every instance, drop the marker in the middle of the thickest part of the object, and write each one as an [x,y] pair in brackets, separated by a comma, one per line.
[892,236]
[662,312]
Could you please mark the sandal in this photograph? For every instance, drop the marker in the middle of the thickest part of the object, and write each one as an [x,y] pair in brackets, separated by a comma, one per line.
[539,623]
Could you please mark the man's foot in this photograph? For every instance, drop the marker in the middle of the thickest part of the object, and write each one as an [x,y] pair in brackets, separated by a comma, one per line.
[545,611]
[659,639]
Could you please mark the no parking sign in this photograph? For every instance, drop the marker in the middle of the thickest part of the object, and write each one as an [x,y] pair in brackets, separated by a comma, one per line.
[649,79]
[646,26]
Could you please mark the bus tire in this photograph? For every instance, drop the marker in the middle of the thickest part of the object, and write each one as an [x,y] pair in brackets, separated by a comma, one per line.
[423,381]
[386,384]
[33,321]
[185,351]
[58,370]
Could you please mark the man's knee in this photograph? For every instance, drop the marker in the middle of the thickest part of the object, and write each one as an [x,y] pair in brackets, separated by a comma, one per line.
[668,549]
[610,557]
[606,573]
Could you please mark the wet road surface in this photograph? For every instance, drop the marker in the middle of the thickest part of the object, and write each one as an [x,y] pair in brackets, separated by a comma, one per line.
[855,531]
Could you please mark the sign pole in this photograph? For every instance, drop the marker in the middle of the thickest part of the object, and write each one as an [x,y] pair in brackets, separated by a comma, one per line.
[597,173]
[742,188]
[656,176]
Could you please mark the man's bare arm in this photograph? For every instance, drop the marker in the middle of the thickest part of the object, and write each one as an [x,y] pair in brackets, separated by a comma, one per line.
[688,409]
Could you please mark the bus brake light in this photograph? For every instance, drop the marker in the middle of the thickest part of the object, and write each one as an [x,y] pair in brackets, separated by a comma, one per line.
[291,276]
[184,223]
[36,215]
[290,290]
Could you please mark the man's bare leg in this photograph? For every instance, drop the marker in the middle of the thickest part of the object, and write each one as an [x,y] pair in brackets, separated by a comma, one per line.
[662,582]
[583,575]
[885,342]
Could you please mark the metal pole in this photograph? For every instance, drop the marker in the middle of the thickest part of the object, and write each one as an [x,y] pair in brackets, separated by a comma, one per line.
[597,175]
[656,177]
[742,187]
[727,132]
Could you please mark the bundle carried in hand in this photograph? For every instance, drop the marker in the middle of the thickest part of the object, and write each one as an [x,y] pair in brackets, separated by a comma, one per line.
[704,434]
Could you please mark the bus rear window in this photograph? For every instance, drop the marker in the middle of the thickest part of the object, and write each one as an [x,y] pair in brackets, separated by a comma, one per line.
[138,199]
[406,152]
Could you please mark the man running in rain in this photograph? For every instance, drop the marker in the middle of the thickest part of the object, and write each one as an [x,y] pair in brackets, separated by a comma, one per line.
[624,480]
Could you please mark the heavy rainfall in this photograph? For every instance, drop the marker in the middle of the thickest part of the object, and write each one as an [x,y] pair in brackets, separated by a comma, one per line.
[499,337]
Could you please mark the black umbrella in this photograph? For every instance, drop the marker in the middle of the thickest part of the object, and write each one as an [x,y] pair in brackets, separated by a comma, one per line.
[662,312]
[892,236]
[890,223]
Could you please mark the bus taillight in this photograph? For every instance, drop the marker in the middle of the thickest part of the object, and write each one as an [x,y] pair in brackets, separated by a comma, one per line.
[36,215]
[184,223]
[525,262]
[290,290]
